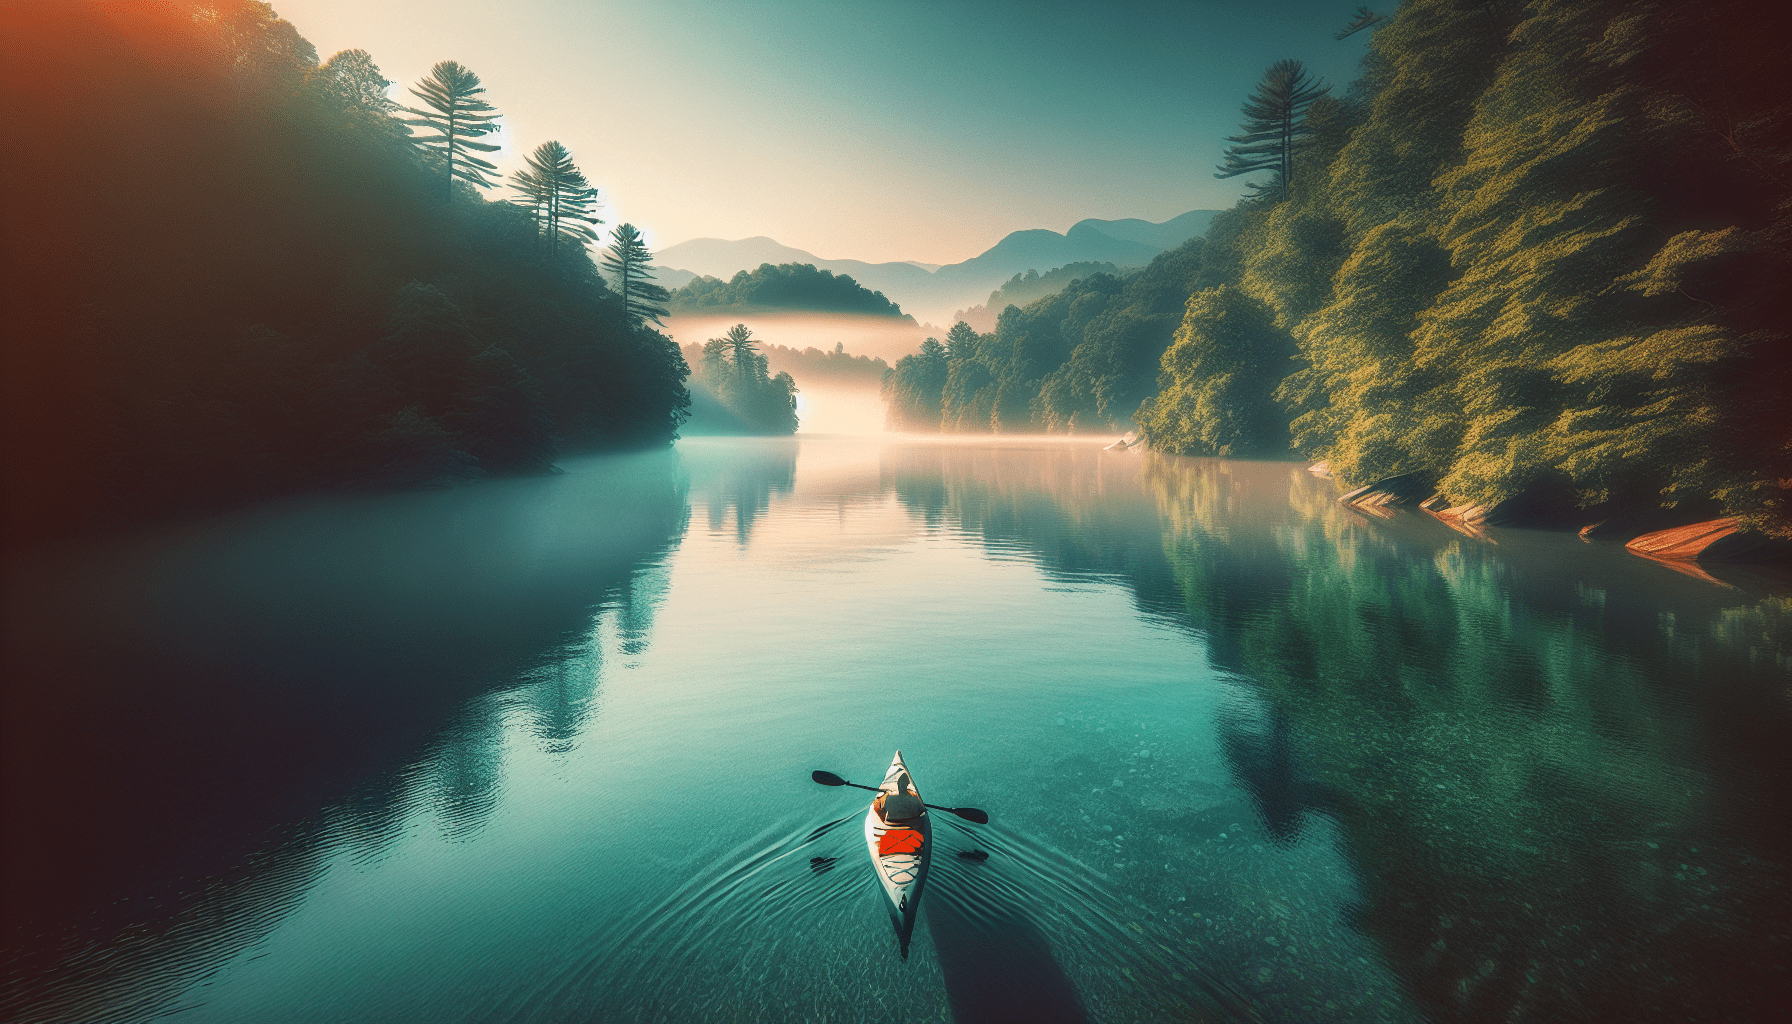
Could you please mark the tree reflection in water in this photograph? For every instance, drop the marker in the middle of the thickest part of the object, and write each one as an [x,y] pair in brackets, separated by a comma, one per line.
[197,721]
[736,478]
[1550,765]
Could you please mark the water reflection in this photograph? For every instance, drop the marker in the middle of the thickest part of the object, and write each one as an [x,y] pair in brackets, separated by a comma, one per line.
[195,721]
[1526,745]
[1558,769]
[1249,755]
[736,479]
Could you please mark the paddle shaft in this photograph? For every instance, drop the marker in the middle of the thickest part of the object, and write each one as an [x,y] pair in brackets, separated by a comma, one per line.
[876,789]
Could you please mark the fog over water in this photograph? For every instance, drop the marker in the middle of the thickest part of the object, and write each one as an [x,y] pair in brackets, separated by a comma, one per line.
[824,405]
[878,337]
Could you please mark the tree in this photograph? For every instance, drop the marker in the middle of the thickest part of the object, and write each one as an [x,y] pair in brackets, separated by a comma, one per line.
[961,340]
[740,346]
[459,117]
[627,260]
[1275,122]
[1364,19]
[915,387]
[1218,379]
[558,194]
[355,81]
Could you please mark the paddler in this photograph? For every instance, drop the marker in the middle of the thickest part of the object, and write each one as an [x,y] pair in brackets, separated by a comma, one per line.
[901,805]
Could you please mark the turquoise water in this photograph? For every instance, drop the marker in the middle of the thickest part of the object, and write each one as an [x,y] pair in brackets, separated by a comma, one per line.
[540,750]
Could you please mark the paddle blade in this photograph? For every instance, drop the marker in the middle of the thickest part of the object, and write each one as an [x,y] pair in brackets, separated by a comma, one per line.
[971,814]
[827,778]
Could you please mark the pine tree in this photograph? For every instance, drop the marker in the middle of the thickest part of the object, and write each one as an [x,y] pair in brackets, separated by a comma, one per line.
[460,118]
[627,260]
[1275,123]
[558,193]
[740,346]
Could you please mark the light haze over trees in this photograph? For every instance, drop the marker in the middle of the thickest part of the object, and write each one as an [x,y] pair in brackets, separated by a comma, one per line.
[732,370]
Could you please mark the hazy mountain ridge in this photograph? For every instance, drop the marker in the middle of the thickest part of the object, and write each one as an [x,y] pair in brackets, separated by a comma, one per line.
[934,295]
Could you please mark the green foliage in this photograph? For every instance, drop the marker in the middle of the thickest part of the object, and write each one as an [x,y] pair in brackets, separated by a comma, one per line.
[1541,243]
[268,297]
[1275,124]
[786,286]
[629,264]
[739,377]
[915,387]
[1077,360]
[1220,376]
[459,117]
[1023,289]
[556,192]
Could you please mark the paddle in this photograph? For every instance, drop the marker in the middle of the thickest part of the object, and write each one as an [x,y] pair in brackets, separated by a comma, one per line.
[967,813]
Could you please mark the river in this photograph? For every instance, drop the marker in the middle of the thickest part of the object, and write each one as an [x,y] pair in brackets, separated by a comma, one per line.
[539,750]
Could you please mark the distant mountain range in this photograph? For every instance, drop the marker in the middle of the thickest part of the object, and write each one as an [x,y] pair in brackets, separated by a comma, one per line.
[933,295]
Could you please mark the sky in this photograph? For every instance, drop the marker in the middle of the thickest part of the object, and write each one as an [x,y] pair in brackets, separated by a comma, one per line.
[870,131]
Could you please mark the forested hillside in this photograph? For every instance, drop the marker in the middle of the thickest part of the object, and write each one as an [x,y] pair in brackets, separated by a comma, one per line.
[1545,252]
[1032,286]
[787,286]
[240,274]
[1538,249]
[1081,359]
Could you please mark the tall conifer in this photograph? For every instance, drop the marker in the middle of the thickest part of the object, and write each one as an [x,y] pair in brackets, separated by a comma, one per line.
[627,260]
[559,194]
[459,117]
[1275,122]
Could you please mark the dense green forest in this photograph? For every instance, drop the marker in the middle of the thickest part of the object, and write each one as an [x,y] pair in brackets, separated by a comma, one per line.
[785,286]
[1029,287]
[241,275]
[735,374]
[1082,359]
[1538,248]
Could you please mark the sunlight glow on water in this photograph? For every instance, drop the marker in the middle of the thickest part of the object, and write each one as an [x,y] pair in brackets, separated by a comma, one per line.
[1244,753]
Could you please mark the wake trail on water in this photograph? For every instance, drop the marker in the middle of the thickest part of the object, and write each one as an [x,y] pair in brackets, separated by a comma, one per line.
[791,921]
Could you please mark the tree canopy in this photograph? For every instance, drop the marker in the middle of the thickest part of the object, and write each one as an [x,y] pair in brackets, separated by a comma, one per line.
[781,287]
[459,116]
[1540,245]
[629,263]
[265,295]
[556,192]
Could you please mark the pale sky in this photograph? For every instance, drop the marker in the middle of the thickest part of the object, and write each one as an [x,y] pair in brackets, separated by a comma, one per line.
[871,131]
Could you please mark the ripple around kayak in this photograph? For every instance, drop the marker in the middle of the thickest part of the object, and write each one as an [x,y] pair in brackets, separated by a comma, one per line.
[1001,936]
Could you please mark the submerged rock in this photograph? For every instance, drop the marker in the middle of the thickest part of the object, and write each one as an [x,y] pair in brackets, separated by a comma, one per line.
[1391,492]
[1715,540]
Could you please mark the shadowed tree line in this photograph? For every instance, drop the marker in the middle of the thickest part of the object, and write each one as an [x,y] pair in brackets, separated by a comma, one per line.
[785,286]
[1079,360]
[1023,289]
[242,276]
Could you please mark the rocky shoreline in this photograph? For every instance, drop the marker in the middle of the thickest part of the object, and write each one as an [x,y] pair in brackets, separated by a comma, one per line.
[1689,534]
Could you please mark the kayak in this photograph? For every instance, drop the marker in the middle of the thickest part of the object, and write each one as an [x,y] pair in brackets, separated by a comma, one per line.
[899,853]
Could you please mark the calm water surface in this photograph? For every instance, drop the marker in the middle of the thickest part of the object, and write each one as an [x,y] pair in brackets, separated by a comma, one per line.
[539,750]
